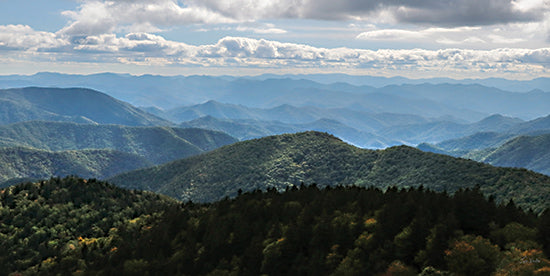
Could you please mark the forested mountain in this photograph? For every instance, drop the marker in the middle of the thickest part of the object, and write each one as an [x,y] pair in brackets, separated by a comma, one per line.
[85,227]
[72,105]
[312,157]
[499,149]
[156,144]
[18,164]
[532,152]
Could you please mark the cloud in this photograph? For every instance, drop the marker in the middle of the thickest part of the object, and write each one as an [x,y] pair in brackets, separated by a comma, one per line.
[260,29]
[23,37]
[145,49]
[240,51]
[95,17]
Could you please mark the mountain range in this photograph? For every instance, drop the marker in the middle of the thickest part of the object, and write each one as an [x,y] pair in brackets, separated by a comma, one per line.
[466,100]
[288,160]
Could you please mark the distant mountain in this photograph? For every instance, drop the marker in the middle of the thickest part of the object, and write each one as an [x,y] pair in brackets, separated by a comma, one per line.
[375,81]
[248,129]
[435,132]
[361,120]
[186,90]
[156,144]
[477,98]
[536,125]
[313,157]
[73,105]
[19,164]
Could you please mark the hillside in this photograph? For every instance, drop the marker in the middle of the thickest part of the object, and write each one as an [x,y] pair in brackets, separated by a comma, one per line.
[532,152]
[313,157]
[156,144]
[70,105]
[18,164]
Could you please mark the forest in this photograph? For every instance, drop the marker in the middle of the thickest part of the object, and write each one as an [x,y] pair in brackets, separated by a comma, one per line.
[73,226]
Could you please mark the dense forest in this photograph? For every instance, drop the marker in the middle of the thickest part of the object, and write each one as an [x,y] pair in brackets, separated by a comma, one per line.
[73,226]
[315,157]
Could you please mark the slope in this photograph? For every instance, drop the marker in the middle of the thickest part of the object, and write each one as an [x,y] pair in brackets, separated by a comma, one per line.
[532,152]
[25,163]
[156,144]
[72,104]
[313,157]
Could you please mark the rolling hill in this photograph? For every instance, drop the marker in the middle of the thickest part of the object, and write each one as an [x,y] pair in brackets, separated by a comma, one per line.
[22,164]
[70,105]
[312,157]
[156,144]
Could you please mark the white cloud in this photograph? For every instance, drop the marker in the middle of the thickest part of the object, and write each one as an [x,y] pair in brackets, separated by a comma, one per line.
[145,49]
[22,37]
[98,17]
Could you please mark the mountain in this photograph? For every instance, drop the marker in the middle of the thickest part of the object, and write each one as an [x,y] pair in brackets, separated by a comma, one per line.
[475,95]
[535,125]
[19,164]
[532,152]
[249,129]
[72,104]
[156,144]
[435,132]
[290,114]
[312,157]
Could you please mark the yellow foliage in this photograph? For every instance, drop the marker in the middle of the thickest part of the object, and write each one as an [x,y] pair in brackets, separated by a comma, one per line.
[370,221]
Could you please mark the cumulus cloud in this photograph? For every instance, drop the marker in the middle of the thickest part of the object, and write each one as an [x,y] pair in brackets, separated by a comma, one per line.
[240,51]
[97,17]
[23,37]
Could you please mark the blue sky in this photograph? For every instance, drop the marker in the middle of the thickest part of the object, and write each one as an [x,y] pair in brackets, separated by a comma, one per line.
[416,38]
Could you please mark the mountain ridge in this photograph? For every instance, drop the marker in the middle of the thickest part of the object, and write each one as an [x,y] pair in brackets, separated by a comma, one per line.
[312,157]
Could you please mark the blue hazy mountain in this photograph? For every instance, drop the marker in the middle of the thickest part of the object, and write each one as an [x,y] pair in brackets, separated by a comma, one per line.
[470,100]
[245,129]
[71,104]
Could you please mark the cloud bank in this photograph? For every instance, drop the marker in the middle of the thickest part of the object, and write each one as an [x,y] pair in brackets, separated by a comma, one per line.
[241,52]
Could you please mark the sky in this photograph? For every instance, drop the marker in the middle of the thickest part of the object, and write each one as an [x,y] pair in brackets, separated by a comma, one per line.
[414,38]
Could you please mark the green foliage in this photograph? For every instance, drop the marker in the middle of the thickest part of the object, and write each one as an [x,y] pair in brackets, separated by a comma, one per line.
[156,144]
[311,157]
[18,164]
[66,225]
[74,226]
